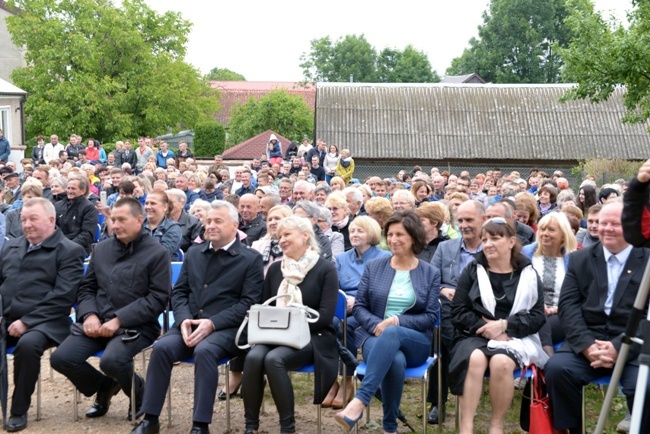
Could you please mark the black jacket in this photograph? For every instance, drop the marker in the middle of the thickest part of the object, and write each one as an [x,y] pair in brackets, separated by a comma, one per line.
[39,287]
[254,229]
[324,243]
[427,253]
[130,282]
[220,286]
[191,227]
[319,291]
[636,214]
[132,159]
[77,219]
[583,296]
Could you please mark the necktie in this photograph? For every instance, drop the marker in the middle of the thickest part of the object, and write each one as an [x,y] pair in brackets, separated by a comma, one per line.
[612,280]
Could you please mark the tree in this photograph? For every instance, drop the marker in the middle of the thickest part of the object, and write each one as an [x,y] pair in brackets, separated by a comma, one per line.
[516,43]
[106,72]
[279,111]
[209,139]
[224,74]
[605,55]
[408,66]
[352,57]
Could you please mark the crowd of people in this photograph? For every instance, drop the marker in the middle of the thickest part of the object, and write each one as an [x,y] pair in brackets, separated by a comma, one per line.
[517,269]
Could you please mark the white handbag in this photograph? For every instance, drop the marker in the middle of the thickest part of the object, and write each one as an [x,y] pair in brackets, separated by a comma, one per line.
[274,325]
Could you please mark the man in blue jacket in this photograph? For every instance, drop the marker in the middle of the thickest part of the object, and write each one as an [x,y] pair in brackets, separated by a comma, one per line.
[5,148]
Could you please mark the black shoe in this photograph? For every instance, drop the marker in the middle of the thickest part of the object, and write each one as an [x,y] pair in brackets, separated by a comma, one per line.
[139,393]
[222,394]
[147,427]
[17,423]
[200,430]
[436,416]
[106,391]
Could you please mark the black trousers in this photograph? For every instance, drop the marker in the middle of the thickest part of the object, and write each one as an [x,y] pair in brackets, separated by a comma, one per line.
[171,348]
[447,336]
[275,362]
[566,373]
[27,365]
[71,357]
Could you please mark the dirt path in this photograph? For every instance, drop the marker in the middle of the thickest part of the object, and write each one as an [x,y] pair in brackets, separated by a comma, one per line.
[57,408]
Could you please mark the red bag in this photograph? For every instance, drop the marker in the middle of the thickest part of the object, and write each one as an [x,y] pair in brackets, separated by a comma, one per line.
[541,421]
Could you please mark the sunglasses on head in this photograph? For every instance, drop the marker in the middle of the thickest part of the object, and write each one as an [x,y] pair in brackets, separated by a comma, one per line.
[497,220]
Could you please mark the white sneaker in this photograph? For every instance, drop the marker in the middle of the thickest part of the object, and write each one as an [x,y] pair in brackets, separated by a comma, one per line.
[624,425]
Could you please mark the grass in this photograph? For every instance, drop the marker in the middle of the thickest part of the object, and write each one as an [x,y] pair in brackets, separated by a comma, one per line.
[412,409]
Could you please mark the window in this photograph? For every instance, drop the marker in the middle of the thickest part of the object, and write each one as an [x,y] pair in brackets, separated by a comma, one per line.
[5,121]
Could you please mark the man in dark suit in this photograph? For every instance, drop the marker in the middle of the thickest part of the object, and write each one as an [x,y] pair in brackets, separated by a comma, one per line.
[39,277]
[77,216]
[12,188]
[210,300]
[597,296]
[125,289]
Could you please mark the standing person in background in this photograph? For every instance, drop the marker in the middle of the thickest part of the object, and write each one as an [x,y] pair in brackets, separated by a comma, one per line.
[74,147]
[52,150]
[5,147]
[128,156]
[162,155]
[183,153]
[92,153]
[38,151]
[142,153]
[331,162]
[274,150]
[345,168]
[304,148]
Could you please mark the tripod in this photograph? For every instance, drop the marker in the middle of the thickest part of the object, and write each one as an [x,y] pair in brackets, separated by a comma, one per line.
[628,339]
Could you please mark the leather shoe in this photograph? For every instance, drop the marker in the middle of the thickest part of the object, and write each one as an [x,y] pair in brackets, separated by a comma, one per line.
[436,416]
[222,393]
[139,393]
[106,391]
[147,427]
[17,423]
[199,430]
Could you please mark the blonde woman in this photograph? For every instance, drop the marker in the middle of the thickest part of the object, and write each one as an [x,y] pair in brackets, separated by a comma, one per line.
[550,258]
[337,184]
[338,206]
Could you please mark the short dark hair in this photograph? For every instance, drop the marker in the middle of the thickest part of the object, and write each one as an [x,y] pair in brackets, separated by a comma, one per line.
[126,186]
[413,227]
[135,208]
[506,230]
[550,190]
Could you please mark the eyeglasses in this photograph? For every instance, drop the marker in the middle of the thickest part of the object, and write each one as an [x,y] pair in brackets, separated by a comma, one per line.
[497,220]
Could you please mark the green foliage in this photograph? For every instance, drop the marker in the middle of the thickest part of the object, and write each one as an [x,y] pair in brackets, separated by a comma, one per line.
[106,72]
[209,139]
[353,56]
[517,43]
[606,171]
[224,74]
[606,54]
[279,111]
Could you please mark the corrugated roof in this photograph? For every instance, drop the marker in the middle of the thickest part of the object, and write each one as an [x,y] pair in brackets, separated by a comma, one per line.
[474,121]
[469,78]
[239,92]
[254,147]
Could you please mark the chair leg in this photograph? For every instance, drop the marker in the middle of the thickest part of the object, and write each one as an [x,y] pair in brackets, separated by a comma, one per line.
[440,403]
[425,384]
[318,409]
[169,405]
[133,406]
[354,383]
[75,404]
[227,366]
[38,398]
[584,410]
[457,412]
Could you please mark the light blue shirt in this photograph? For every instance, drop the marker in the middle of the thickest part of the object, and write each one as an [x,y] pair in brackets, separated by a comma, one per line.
[350,268]
[615,267]
[401,296]
[466,255]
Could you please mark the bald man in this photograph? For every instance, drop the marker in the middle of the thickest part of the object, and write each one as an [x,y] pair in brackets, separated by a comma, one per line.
[250,222]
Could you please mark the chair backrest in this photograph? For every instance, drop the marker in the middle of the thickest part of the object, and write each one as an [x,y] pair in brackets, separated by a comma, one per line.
[176,271]
[341,306]
[181,255]
[98,232]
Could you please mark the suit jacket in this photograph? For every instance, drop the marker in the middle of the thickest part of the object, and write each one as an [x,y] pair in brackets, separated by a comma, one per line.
[131,282]
[39,287]
[584,291]
[219,286]
[447,260]
[372,298]
[132,159]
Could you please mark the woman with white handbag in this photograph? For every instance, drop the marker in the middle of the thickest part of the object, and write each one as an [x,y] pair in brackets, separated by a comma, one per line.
[306,279]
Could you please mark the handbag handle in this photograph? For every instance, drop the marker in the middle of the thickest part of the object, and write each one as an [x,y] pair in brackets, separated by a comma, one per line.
[239,332]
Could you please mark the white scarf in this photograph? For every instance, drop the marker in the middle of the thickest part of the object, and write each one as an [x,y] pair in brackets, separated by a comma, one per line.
[527,350]
[294,273]
[342,223]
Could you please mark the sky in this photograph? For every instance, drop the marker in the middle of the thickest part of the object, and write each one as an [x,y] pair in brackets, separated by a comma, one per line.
[263,40]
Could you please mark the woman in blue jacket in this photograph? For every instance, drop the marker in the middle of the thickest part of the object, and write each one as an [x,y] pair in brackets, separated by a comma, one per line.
[397,308]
